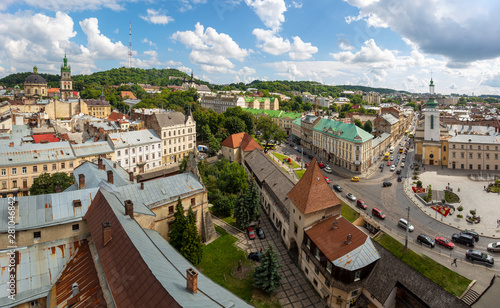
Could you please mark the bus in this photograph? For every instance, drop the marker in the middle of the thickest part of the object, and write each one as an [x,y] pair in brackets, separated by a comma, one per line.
[387,156]
[411,135]
[407,132]
[270,146]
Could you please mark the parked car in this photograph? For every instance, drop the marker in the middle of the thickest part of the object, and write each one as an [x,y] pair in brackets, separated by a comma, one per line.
[350,197]
[444,242]
[404,224]
[474,235]
[393,168]
[251,233]
[286,153]
[361,204]
[381,166]
[494,247]
[337,188]
[378,213]
[295,148]
[328,169]
[463,239]
[321,165]
[254,256]
[327,180]
[299,150]
[403,164]
[389,163]
[386,184]
[400,178]
[392,158]
[306,165]
[398,171]
[425,239]
[474,255]
[260,233]
[355,179]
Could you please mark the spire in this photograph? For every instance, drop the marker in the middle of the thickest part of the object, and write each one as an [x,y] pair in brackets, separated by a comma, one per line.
[192,79]
[35,70]
[65,59]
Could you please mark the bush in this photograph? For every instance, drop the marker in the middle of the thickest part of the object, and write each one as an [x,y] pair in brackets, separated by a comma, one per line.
[419,183]
[472,212]
[460,216]
[460,208]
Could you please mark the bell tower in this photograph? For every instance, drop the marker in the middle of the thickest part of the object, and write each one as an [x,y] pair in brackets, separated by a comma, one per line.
[66,84]
[431,121]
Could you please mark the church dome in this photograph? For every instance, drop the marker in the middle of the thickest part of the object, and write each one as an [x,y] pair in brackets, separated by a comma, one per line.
[35,78]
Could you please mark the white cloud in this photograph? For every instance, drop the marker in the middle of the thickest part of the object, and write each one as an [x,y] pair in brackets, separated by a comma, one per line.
[453,86]
[69,5]
[244,75]
[269,42]
[270,12]
[157,17]
[187,5]
[297,5]
[344,44]
[301,50]
[100,46]
[209,47]
[369,53]
[146,41]
[117,30]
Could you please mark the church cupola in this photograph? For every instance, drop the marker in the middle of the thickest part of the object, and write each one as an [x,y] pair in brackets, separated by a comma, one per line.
[66,83]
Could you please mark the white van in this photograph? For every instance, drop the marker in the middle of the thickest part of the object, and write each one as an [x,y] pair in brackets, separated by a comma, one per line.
[403,223]
[391,150]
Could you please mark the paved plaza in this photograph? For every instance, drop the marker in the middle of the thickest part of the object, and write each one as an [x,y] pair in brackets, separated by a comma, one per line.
[472,197]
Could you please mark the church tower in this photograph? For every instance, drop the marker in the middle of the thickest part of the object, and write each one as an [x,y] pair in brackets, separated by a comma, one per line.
[431,113]
[66,84]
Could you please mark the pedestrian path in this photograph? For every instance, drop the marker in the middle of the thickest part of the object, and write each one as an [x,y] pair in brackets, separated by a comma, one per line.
[294,291]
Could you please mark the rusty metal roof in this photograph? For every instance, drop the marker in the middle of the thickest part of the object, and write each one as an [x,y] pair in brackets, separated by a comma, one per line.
[28,154]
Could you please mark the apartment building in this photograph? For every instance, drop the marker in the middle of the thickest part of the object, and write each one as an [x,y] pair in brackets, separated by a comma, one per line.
[177,132]
[137,151]
[99,108]
[372,98]
[474,152]
[220,103]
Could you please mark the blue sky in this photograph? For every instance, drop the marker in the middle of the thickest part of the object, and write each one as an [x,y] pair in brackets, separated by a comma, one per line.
[380,43]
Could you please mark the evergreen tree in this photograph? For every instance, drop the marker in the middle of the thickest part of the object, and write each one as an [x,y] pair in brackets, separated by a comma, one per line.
[192,248]
[368,127]
[266,277]
[178,227]
[242,213]
[252,200]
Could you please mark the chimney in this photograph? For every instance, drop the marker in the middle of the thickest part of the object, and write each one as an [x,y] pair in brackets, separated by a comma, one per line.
[131,176]
[114,165]
[58,188]
[142,186]
[335,225]
[110,176]
[100,164]
[129,208]
[349,239]
[16,212]
[106,233]
[11,144]
[192,280]
[81,181]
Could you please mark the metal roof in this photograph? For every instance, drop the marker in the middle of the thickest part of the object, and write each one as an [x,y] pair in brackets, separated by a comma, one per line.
[38,269]
[94,177]
[346,131]
[134,138]
[46,210]
[35,153]
[91,148]
[360,257]
[390,118]
[495,139]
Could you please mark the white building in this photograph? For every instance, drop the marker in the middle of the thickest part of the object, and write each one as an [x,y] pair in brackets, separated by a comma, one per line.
[137,151]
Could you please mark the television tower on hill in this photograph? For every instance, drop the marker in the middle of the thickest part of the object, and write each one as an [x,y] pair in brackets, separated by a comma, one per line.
[130,44]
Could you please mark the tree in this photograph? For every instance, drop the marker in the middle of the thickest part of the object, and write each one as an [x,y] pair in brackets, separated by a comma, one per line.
[232,178]
[357,122]
[205,132]
[252,200]
[46,183]
[192,248]
[183,164]
[368,127]
[234,125]
[179,226]
[213,145]
[266,277]
[270,130]
[223,206]
[242,213]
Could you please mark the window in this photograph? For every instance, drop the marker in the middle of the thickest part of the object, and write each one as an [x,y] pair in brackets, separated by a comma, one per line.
[496,156]
[329,266]
[470,147]
[14,183]
[357,275]
[25,183]
[14,171]
[4,184]
[71,165]
[470,166]
[315,283]
[4,171]
[453,146]
[284,233]
[133,150]
[478,155]
[54,166]
[306,270]
[171,209]
[169,133]
[316,254]
[308,243]
[316,270]
[479,147]
[453,154]
[487,148]
[147,148]
[118,153]
[462,155]
[462,146]
[35,169]
[487,167]
[24,170]
[307,258]
[140,149]
[470,155]
[63,165]
[487,156]
[295,228]
[327,283]
[192,201]
[126,152]
[75,227]
[37,235]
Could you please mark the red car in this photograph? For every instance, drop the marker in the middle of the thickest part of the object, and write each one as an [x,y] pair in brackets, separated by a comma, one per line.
[321,165]
[361,204]
[444,242]
[251,233]
[388,163]
[327,180]
[306,165]
[378,213]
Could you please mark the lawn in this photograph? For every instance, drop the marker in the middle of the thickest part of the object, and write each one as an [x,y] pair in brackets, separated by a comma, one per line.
[451,197]
[281,157]
[219,258]
[349,213]
[300,173]
[443,276]
[230,220]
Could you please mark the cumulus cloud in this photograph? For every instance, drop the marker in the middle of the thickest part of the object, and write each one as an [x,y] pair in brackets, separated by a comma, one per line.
[457,30]
[301,50]
[492,81]
[209,47]
[270,12]
[157,17]
[271,43]
[146,41]
[369,53]
[69,5]
[297,5]
[100,46]
[186,5]
[344,44]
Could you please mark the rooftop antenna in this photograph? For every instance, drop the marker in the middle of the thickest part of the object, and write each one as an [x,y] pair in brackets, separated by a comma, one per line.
[130,44]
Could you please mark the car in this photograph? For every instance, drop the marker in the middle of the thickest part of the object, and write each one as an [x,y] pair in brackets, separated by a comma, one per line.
[381,166]
[400,178]
[404,156]
[404,224]
[350,197]
[337,188]
[425,239]
[295,148]
[260,233]
[494,247]
[392,158]
[321,165]
[328,169]
[474,255]
[393,168]
[306,165]
[299,150]
[251,233]
[403,164]
[388,163]
[361,204]
[286,153]
[463,239]
[327,180]
[378,213]
[297,158]
[444,242]
[474,235]
[398,171]
[309,156]
[355,179]
[386,184]
[254,256]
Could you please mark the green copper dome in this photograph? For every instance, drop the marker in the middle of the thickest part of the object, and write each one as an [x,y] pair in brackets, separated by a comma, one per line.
[431,103]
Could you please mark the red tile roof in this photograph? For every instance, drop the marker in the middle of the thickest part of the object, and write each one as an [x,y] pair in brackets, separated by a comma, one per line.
[53,90]
[48,137]
[331,241]
[243,141]
[79,269]
[312,193]
[130,95]
[115,116]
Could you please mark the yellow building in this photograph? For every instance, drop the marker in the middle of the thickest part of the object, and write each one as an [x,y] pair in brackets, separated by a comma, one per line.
[97,108]
[35,85]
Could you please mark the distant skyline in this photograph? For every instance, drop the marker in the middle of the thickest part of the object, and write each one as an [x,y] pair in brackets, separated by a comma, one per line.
[377,43]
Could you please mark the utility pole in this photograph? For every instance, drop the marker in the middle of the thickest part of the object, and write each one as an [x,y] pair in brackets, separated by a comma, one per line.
[407,228]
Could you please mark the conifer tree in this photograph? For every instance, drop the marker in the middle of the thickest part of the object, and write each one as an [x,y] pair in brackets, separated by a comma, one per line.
[242,212]
[266,277]
[192,248]
[178,227]
[252,200]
